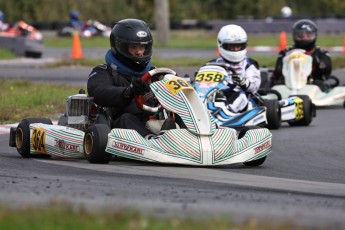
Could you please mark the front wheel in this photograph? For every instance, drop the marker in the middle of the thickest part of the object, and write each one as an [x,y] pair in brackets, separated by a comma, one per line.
[22,135]
[241,134]
[95,142]
[273,114]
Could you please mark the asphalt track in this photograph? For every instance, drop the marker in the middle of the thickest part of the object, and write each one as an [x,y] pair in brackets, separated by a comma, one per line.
[302,181]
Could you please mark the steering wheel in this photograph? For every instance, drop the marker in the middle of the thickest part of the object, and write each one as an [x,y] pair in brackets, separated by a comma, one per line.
[151,76]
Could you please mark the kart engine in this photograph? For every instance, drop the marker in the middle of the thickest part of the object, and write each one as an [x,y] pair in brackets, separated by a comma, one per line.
[77,110]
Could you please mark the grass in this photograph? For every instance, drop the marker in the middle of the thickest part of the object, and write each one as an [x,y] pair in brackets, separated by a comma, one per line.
[23,99]
[62,216]
[6,54]
[192,39]
[197,39]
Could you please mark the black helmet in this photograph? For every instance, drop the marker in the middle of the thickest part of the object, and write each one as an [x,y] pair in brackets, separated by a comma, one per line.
[131,31]
[304,34]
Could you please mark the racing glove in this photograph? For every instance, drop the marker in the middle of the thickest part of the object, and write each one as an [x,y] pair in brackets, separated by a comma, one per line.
[137,87]
[240,81]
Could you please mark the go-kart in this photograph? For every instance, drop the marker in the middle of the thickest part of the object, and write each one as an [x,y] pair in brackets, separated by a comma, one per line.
[297,67]
[262,110]
[90,28]
[197,142]
[23,39]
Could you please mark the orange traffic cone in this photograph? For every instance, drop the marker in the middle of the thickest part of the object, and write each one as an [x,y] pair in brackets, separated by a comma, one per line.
[77,52]
[282,41]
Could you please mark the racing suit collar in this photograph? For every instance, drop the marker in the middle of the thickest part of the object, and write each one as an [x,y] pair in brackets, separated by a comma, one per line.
[110,59]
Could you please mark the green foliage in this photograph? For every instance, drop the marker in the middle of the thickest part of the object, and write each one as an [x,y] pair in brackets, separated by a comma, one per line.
[113,10]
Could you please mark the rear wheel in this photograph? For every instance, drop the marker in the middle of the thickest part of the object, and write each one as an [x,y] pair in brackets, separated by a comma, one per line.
[241,134]
[273,114]
[307,112]
[95,142]
[22,135]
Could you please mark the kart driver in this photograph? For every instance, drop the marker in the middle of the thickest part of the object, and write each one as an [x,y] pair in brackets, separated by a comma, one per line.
[74,20]
[232,46]
[304,34]
[113,85]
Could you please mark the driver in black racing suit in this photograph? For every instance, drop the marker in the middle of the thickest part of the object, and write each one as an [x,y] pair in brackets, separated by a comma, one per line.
[304,36]
[113,85]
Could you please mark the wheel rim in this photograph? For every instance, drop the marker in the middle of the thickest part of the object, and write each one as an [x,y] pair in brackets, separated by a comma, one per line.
[19,138]
[88,144]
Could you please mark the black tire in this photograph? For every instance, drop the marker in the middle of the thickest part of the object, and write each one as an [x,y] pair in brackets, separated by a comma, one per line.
[95,142]
[22,135]
[241,134]
[307,112]
[273,114]
[32,54]
[65,32]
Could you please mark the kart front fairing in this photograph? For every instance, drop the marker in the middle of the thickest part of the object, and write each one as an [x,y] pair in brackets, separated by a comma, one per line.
[210,81]
[201,143]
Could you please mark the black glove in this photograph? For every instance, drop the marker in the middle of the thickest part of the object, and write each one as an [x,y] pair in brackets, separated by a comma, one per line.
[240,81]
[139,87]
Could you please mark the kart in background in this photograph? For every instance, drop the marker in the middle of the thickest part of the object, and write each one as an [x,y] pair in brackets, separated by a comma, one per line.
[90,28]
[262,110]
[297,67]
[23,39]
[195,141]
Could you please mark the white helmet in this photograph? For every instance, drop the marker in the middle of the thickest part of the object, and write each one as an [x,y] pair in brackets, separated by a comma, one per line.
[230,35]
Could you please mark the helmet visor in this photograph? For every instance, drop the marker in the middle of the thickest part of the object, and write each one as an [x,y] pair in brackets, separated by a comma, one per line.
[234,46]
[135,50]
[305,36]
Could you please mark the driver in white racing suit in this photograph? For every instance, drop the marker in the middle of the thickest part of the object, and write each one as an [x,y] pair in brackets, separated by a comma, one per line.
[232,47]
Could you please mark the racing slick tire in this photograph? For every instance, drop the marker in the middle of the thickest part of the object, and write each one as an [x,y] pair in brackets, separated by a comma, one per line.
[273,114]
[241,134]
[308,112]
[95,142]
[22,136]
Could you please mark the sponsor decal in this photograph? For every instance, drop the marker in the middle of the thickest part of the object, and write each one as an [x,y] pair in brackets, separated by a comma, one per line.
[141,34]
[292,110]
[260,148]
[38,140]
[129,148]
[258,118]
[62,145]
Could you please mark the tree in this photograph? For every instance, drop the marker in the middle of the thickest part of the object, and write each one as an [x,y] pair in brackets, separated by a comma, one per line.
[162,22]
